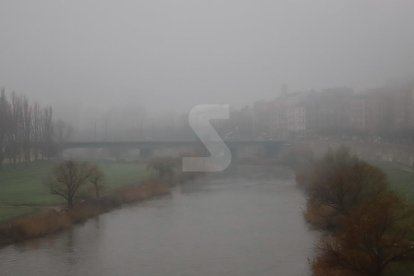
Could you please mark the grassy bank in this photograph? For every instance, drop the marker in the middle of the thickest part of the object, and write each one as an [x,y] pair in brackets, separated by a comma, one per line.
[361,210]
[31,211]
[401,179]
[50,221]
[22,190]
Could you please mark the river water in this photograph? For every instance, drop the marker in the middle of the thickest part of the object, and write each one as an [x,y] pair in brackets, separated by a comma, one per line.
[246,221]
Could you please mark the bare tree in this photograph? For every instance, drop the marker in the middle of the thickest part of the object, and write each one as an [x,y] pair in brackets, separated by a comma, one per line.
[163,167]
[48,147]
[96,178]
[67,179]
[4,123]
[62,131]
[26,130]
[36,131]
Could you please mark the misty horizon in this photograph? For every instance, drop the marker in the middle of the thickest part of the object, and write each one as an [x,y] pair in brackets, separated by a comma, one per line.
[207,137]
[92,56]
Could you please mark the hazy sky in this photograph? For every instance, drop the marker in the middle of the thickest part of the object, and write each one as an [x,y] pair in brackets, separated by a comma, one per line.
[171,54]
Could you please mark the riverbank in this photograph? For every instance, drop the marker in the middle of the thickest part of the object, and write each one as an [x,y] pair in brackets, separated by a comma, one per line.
[22,191]
[230,223]
[149,183]
[401,178]
[394,159]
[370,186]
[368,150]
[51,220]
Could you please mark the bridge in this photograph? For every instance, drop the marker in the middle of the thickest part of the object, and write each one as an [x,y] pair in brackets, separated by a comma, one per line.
[148,149]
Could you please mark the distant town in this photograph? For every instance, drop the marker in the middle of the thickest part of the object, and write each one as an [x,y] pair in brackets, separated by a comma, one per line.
[386,112]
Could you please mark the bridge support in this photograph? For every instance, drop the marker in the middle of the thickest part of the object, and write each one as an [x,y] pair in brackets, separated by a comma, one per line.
[271,151]
[146,153]
[234,152]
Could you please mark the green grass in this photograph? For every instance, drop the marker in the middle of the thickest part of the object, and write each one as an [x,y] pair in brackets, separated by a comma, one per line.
[22,190]
[122,174]
[402,182]
[401,179]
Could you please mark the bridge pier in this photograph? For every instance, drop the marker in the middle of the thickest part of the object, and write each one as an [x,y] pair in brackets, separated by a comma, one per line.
[146,153]
[234,152]
[271,150]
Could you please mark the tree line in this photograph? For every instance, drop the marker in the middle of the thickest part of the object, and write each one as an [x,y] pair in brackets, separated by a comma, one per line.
[367,228]
[26,130]
[70,177]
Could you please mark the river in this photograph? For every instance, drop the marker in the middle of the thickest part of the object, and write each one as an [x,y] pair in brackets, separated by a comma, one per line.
[246,221]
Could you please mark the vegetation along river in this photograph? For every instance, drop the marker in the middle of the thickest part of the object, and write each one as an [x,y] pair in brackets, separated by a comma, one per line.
[245,221]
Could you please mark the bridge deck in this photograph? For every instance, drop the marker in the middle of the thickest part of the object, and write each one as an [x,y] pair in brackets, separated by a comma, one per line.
[161,144]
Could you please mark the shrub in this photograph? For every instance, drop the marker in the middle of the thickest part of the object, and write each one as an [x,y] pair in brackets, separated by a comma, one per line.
[163,168]
[340,182]
[375,235]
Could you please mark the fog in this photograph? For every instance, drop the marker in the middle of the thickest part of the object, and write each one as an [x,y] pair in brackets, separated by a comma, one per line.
[206,137]
[87,56]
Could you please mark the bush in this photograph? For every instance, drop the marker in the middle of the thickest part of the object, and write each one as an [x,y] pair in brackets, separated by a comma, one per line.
[163,168]
[370,240]
[340,182]
[368,227]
